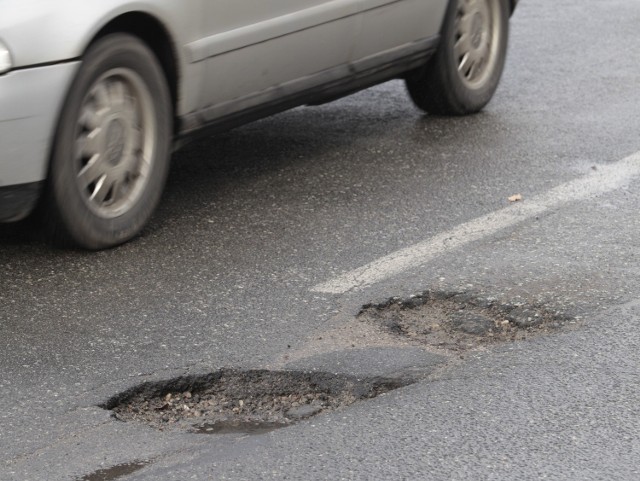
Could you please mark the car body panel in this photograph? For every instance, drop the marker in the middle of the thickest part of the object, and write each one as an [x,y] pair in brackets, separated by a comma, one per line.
[419,19]
[292,41]
[316,89]
[68,27]
[30,100]
[225,31]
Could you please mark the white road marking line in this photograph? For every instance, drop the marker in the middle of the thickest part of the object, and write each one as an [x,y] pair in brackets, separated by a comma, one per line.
[605,178]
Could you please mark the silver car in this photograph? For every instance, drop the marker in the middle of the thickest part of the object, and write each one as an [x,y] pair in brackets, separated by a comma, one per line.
[95,95]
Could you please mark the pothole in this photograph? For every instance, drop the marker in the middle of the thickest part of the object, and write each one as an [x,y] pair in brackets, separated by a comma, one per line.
[251,402]
[459,321]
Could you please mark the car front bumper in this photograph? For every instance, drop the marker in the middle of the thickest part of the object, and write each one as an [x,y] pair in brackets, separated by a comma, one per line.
[30,101]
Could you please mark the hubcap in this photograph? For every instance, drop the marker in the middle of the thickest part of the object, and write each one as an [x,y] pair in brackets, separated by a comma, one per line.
[115,140]
[477,39]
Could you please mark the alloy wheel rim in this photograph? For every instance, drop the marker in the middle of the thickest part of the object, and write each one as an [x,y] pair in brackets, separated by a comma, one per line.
[477,39]
[114,142]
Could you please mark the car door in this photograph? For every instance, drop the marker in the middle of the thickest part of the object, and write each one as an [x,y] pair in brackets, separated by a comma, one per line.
[252,48]
[385,25]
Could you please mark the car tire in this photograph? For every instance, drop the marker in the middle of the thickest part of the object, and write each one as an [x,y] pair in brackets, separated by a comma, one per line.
[112,146]
[463,73]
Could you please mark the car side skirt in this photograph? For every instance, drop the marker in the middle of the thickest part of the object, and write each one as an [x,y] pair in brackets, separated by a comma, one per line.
[317,89]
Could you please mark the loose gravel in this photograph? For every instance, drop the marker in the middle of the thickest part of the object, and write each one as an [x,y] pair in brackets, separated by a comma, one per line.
[459,321]
[243,401]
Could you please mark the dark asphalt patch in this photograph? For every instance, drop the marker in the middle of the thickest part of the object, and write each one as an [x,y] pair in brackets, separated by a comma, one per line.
[459,321]
[252,402]
[114,472]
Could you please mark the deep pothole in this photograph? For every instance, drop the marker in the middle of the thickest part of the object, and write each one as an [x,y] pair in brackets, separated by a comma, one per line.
[243,401]
[459,321]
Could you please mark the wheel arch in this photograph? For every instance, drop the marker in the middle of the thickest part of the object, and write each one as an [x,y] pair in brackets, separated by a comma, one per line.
[141,24]
[156,36]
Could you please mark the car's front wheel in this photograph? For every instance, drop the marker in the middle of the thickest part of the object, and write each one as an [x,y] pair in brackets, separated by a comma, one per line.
[111,151]
[463,74]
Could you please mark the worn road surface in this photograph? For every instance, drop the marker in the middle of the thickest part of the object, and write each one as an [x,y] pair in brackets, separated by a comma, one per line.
[271,237]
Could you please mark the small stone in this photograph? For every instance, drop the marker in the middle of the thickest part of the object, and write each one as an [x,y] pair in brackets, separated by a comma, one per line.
[463,298]
[523,317]
[484,303]
[393,325]
[413,302]
[303,412]
[187,395]
[471,323]
[442,295]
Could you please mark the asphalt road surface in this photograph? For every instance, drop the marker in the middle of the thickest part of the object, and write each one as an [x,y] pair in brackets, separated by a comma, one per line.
[270,238]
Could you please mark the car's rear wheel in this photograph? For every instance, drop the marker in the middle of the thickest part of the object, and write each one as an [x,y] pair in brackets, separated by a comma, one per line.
[463,74]
[111,151]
